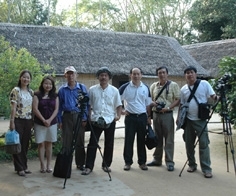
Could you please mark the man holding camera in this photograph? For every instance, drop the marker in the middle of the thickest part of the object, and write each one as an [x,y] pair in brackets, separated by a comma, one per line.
[105,110]
[165,95]
[69,114]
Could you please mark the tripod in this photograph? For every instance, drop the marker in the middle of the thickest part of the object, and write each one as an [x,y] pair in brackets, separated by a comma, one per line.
[74,141]
[227,131]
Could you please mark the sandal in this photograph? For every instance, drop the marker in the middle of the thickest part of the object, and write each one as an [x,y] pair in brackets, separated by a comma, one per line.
[86,171]
[42,171]
[21,173]
[49,170]
[191,169]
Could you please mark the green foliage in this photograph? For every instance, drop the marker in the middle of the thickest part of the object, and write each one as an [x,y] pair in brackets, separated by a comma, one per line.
[34,12]
[162,17]
[214,19]
[227,66]
[12,62]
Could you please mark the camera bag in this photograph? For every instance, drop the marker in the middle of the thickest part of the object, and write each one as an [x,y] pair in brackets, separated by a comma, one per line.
[151,139]
[183,110]
[204,111]
[62,167]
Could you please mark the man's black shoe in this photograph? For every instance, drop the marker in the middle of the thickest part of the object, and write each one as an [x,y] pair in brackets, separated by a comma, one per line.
[154,164]
[170,168]
[80,167]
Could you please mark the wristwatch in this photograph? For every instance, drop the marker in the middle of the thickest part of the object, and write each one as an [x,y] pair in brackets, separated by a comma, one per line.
[168,108]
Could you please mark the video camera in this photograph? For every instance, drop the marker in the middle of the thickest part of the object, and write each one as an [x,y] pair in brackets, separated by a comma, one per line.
[223,83]
[83,100]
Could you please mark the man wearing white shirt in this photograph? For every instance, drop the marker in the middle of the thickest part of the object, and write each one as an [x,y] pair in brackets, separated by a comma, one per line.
[196,127]
[137,98]
[105,110]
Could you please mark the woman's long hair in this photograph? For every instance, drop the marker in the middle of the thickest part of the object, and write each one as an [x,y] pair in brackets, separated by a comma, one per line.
[21,74]
[52,93]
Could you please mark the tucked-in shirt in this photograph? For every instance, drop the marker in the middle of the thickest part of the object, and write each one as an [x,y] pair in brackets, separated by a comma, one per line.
[203,92]
[69,100]
[23,100]
[104,102]
[136,98]
[168,95]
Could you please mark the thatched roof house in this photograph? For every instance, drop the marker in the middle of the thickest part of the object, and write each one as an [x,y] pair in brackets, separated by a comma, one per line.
[209,54]
[88,50]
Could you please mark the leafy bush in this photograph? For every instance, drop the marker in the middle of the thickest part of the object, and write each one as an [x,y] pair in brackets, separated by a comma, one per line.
[12,62]
[225,84]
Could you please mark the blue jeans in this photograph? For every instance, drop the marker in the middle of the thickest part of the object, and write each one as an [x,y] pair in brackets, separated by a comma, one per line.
[195,128]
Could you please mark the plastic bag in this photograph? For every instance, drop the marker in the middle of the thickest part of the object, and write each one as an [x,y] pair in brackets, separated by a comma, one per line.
[12,137]
[13,148]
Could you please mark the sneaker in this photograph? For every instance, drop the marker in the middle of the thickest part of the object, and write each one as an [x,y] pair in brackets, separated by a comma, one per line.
[143,167]
[106,169]
[208,175]
[127,167]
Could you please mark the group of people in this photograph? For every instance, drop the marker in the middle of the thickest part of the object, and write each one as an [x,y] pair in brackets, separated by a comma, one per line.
[47,110]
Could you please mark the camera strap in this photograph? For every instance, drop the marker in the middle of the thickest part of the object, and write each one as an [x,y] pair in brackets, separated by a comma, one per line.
[194,90]
[167,89]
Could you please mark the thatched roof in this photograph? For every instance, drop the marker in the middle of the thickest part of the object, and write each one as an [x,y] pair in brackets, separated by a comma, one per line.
[209,54]
[88,50]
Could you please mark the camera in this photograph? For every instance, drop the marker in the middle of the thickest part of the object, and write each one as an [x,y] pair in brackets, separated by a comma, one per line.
[101,123]
[82,100]
[223,83]
[159,106]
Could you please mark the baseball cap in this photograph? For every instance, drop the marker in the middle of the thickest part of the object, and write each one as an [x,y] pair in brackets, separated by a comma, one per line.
[70,68]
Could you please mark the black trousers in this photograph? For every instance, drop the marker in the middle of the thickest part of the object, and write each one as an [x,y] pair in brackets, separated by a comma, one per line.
[108,146]
[135,124]
[23,127]
[69,125]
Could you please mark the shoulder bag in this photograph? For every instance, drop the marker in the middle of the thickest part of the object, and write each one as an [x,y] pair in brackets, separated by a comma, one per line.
[183,110]
[151,139]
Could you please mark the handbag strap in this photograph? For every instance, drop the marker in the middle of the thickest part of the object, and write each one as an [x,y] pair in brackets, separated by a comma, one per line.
[194,90]
[165,86]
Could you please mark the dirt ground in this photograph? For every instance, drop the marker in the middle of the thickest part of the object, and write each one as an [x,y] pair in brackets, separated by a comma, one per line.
[155,181]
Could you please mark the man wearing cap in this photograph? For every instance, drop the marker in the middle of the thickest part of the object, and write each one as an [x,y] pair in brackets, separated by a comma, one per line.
[195,127]
[70,113]
[105,110]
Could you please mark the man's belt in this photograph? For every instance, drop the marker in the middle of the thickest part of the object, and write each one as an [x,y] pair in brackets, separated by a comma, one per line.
[169,111]
[137,115]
